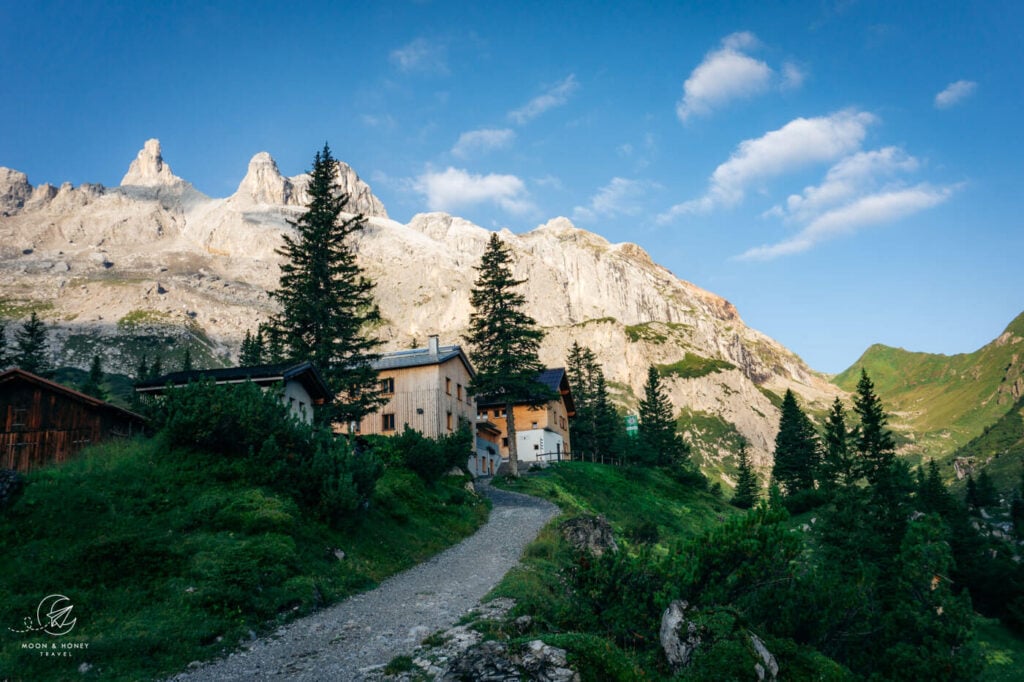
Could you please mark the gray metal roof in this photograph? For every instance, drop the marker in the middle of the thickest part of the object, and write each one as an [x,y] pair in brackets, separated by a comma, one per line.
[420,357]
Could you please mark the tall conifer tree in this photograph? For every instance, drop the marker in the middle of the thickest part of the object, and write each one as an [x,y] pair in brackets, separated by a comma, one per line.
[30,341]
[505,341]
[747,490]
[837,465]
[876,449]
[796,448]
[327,305]
[94,383]
[659,442]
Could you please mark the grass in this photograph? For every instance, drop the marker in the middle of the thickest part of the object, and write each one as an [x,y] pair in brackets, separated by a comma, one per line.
[693,366]
[167,560]
[11,309]
[656,332]
[628,497]
[1002,649]
[944,400]
[999,449]
[141,318]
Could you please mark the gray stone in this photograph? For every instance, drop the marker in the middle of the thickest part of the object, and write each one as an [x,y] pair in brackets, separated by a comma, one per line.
[678,635]
[767,668]
[591,534]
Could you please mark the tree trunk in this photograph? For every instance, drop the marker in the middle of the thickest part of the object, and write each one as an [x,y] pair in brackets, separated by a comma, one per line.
[513,454]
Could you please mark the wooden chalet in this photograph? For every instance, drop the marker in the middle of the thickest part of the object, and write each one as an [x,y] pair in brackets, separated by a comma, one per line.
[46,423]
[542,431]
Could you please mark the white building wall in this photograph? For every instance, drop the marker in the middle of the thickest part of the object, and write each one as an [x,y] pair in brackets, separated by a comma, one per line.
[298,401]
[532,443]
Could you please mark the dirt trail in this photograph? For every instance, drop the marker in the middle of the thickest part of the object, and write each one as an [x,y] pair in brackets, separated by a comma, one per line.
[364,632]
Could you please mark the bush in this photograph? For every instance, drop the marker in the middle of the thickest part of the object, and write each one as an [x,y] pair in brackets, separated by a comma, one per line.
[429,458]
[253,436]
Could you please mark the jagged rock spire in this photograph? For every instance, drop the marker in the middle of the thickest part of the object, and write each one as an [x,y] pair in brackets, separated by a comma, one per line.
[149,170]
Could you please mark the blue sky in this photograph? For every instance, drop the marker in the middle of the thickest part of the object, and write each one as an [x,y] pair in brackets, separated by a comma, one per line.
[844,172]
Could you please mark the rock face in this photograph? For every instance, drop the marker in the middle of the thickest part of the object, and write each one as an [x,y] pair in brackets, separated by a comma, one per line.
[149,170]
[92,258]
[590,534]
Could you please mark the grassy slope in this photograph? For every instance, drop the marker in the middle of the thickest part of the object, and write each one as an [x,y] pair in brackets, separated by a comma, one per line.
[627,497]
[167,562]
[999,449]
[945,401]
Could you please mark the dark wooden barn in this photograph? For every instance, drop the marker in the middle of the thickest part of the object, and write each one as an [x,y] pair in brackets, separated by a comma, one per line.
[42,422]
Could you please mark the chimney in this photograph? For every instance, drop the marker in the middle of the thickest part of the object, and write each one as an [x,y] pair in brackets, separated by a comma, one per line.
[432,344]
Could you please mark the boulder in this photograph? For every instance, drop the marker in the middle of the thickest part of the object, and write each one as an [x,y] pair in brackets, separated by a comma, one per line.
[679,635]
[767,668]
[591,534]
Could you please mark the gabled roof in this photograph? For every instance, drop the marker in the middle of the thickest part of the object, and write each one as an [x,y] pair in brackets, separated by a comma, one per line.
[261,375]
[16,374]
[553,378]
[421,357]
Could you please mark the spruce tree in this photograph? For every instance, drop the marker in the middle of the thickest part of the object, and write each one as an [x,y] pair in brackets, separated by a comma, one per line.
[659,444]
[579,366]
[251,352]
[608,429]
[327,305]
[505,341]
[94,383]
[837,465]
[30,341]
[186,360]
[747,491]
[987,495]
[796,448]
[595,426]
[876,449]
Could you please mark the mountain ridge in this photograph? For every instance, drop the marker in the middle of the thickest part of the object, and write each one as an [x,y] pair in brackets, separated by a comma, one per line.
[940,402]
[157,259]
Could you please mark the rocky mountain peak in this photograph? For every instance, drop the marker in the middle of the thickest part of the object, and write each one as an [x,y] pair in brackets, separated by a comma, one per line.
[15,190]
[264,184]
[149,170]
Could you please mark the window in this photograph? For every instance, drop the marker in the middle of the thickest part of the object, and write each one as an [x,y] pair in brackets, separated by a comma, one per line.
[19,418]
[387,422]
[458,391]
[387,385]
[499,413]
[536,447]
[449,421]
[447,385]
[504,442]
[533,425]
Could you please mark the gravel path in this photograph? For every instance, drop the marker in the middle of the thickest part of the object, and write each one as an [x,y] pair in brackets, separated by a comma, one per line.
[364,632]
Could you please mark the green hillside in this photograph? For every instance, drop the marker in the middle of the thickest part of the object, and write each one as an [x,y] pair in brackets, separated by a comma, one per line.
[999,449]
[940,402]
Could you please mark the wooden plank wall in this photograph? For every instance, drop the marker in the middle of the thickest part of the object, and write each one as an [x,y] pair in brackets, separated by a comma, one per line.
[41,426]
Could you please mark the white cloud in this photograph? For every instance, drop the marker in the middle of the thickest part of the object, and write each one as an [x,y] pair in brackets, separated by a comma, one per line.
[954,94]
[855,175]
[728,74]
[482,140]
[801,142]
[555,96]
[421,55]
[456,188]
[873,209]
[621,196]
